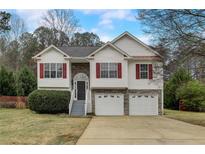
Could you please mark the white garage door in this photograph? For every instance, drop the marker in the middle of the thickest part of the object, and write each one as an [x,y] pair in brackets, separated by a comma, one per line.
[109,104]
[143,104]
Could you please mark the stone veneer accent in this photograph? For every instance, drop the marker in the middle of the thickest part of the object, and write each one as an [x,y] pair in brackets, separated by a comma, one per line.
[80,68]
[126,93]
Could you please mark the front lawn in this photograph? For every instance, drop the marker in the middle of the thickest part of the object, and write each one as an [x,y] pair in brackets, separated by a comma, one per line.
[197,118]
[22,126]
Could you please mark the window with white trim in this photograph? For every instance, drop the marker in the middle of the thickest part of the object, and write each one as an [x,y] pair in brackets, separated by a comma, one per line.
[143,71]
[46,70]
[53,70]
[108,70]
[59,70]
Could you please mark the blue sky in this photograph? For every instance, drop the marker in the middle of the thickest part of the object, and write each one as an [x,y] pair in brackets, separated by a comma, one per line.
[105,23]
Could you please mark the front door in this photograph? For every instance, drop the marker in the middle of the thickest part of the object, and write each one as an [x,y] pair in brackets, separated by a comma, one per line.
[81,90]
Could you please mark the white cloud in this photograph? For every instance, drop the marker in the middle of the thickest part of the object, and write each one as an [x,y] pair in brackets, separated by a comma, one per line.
[107,23]
[145,38]
[31,17]
[106,17]
[81,30]
[105,38]
[94,30]
[118,14]
[92,11]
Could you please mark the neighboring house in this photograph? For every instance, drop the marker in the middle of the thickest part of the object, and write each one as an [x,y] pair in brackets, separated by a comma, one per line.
[123,77]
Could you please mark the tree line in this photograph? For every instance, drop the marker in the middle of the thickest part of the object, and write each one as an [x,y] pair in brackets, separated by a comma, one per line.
[176,34]
[60,28]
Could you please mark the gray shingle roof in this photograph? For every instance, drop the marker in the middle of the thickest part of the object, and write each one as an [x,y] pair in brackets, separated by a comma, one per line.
[78,51]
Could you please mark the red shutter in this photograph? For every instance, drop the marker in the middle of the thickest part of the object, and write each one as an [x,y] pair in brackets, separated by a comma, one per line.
[150,72]
[64,70]
[119,68]
[41,70]
[97,70]
[137,71]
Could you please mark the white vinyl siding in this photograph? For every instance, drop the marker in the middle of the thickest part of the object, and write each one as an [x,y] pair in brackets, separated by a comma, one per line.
[53,56]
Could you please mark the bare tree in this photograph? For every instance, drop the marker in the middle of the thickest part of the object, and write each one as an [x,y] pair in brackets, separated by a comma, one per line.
[61,20]
[17,27]
[182,32]
[177,27]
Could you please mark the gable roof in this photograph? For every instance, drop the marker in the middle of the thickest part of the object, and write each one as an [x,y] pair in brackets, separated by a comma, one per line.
[86,52]
[78,51]
[112,46]
[48,48]
[70,51]
[137,40]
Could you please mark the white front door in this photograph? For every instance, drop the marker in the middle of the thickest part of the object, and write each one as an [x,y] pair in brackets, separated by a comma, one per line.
[109,104]
[143,104]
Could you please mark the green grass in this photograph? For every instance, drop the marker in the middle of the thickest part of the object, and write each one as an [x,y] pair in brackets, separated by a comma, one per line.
[22,126]
[197,118]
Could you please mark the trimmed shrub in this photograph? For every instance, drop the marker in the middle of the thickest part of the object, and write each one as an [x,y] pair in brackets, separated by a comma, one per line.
[180,77]
[49,101]
[25,82]
[192,94]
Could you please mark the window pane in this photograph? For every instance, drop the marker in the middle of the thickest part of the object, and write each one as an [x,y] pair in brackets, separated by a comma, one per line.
[46,70]
[104,66]
[47,74]
[143,71]
[59,70]
[53,70]
[113,70]
[104,70]
[113,74]
[143,75]
[143,67]
[46,66]
[104,74]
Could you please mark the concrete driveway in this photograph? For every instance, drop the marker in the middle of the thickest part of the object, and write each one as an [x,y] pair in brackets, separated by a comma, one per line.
[141,130]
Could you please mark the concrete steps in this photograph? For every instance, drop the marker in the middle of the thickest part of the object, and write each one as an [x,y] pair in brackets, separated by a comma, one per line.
[78,108]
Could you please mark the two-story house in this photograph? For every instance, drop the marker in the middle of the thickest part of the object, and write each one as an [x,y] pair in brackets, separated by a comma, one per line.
[122,77]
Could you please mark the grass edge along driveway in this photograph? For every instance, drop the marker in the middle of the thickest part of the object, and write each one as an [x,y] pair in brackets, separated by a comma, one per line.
[22,126]
[196,118]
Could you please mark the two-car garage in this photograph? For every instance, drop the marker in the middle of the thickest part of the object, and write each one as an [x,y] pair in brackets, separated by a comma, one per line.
[113,104]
